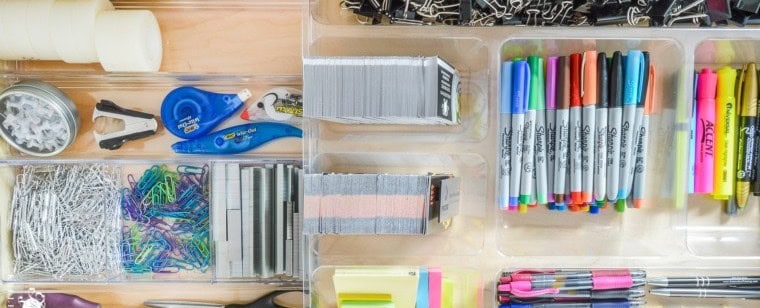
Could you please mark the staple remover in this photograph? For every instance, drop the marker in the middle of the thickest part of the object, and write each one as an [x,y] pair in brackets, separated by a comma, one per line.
[137,125]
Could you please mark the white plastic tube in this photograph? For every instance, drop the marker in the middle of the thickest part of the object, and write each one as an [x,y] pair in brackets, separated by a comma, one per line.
[128,41]
[72,28]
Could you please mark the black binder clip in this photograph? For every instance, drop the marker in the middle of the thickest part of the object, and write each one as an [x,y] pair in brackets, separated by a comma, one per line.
[137,125]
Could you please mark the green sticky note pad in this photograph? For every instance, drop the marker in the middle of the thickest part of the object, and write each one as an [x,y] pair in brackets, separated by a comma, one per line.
[364,297]
[447,293]
[367,304]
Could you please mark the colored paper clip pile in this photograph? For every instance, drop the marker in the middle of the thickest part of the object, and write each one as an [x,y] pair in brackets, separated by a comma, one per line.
[653,13]
[524,288]
[725,136]
[166,221]
[578,138]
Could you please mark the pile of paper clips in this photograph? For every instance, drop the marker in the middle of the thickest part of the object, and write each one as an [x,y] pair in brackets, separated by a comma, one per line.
[166,220]
[65,222]
[654,13]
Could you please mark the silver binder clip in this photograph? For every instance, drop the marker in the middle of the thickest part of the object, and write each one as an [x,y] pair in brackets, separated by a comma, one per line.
[137,125]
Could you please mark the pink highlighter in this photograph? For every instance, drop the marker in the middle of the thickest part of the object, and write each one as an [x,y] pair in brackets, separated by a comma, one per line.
[705,142]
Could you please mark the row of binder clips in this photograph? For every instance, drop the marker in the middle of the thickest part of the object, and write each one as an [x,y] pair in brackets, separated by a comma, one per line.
[654,13]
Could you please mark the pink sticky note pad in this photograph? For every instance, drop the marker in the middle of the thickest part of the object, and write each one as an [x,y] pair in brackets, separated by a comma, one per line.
[435,278]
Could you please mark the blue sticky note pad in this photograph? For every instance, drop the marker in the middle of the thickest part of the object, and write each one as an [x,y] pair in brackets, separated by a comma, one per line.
[422,289]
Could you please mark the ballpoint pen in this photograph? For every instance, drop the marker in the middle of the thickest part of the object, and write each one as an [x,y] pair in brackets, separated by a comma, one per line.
[594,304]
[270,300]
[745,173]
[520,89]
[614,122]
[551,127]
[600,144]
[707,293]
[704,281]
[505,129]
[630,98]
[705,132]
[642,146]
[559,275]
[637,127]
[538,103]
[588,120]
[562,121]
[576,175]
[575,295]
[725,134]
[693,137]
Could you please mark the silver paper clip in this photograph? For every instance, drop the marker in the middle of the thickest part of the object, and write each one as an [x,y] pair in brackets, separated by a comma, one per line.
[137,125]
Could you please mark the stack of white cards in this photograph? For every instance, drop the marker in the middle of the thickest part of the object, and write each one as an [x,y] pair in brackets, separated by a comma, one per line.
[378,203]
[257,220]
[381,90]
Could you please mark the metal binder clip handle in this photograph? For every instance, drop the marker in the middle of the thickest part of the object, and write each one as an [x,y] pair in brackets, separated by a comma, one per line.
[137,125]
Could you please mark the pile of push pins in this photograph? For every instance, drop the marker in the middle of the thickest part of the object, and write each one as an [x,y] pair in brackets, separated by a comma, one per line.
[166,221]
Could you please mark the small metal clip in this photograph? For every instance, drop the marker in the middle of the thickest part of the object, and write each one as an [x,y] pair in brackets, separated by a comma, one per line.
[136,125]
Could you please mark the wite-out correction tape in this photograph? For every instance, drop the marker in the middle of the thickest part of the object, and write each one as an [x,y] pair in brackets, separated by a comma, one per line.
[72,29]
[128,41]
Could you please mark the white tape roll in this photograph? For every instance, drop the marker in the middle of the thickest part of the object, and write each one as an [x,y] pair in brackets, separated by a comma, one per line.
[129,41]
[18,46]
[72,28]
[38,29]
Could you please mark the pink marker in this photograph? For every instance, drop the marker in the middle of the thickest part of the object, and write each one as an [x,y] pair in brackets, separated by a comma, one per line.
[705,142]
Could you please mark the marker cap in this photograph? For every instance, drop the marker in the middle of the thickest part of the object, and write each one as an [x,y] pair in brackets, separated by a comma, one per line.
[575,80]
[707,84]
[505,96]
[537,99]
[551,82]
[589,79]
[520,86]
[633,69]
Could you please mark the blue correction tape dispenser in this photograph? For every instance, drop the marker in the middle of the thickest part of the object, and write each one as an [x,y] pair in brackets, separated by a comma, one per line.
[237,139]
[189,112]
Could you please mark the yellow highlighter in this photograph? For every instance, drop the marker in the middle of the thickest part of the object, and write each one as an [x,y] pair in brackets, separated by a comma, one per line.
[725,134]
[746,131]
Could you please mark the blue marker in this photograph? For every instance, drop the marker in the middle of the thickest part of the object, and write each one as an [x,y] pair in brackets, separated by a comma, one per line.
[505,133]
[693,138]
[237,139]
[189,112]
[631,85]
[520,90]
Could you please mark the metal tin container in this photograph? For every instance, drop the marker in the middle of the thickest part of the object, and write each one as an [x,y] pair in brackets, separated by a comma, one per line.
[53,102]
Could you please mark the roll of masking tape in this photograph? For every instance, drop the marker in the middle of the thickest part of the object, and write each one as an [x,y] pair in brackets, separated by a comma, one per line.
[72,28]
[128,41]
[18,46]
[38,29]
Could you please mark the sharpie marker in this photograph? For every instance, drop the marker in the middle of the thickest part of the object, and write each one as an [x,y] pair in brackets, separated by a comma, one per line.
[615,123]
[745,173]
[505,129]
[640,168]
[551,126]
[561,161]
[630,98]
[705,133]
[576,170]
[538,103]
[600,143]
[520,89]
[643,87]
[237,139]
[589,95]
[528,145]
[725,134]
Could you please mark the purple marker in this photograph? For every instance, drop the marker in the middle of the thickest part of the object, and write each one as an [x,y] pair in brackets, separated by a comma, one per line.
[551,124]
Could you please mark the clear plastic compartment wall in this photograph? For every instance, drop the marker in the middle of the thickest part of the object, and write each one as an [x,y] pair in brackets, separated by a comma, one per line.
[673,234]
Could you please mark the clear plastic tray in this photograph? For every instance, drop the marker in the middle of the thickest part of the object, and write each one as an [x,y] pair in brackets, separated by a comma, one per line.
[673,233]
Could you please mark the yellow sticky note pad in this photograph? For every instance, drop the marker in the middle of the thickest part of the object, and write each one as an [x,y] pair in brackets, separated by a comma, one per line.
[366,304]
[398,282]
[447,293]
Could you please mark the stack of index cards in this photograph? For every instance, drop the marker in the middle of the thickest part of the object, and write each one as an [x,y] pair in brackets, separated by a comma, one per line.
[381,90]
[379,203]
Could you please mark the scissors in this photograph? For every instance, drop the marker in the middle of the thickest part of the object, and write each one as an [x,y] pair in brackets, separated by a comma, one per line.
[268,301]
